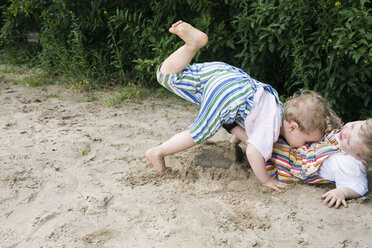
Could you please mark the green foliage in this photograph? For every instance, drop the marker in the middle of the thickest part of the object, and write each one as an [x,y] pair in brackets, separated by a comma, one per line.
[9,68]
[19,16]
[38,78]
[84,152]
[92,97]
[52,96]
[126,94]
[291,44]
[15,74]
[319,45]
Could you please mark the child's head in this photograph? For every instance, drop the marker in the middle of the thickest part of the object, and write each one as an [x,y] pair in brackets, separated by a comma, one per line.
[356,138]
[307,117]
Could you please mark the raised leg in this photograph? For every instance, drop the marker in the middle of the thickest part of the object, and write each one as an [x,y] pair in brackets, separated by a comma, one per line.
[194,40]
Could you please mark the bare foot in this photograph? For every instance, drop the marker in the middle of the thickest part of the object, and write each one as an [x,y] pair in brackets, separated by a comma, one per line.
[190,35]
[156,160]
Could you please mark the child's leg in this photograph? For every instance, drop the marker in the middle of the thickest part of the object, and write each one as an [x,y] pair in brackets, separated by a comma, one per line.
[175,63]
[194,40]
[177,143]
[239,135]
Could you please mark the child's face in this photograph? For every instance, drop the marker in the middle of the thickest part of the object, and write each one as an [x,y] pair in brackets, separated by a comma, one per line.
[349,138]
[296,138]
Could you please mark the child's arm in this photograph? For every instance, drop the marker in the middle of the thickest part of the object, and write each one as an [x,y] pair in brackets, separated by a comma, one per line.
[350,177]
[338,196]
[257,163]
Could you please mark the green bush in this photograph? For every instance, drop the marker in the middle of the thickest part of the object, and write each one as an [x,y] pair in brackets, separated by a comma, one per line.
[321,45]
[291,44]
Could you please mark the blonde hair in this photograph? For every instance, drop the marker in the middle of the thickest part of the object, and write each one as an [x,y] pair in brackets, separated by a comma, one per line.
[311,112]
[366,136]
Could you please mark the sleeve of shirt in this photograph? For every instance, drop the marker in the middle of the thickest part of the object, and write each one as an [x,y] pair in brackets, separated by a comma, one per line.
[345,171]
[263,123]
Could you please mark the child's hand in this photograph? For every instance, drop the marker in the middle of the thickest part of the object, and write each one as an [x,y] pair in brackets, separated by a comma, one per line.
[275,184]
[334,196]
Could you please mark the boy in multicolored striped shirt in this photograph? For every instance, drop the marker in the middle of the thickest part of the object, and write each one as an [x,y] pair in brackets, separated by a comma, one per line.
[228,97]
[339,157]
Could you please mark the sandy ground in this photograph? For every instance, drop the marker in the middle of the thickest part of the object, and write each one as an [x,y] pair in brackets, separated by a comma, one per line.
[73,174]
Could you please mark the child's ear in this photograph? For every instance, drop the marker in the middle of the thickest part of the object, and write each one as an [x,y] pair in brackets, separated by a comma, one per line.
[292,126]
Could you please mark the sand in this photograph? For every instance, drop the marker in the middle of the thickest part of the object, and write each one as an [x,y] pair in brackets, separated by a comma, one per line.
[73,174]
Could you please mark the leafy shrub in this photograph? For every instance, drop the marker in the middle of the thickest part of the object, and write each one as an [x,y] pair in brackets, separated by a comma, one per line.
[292,44]
[321,45]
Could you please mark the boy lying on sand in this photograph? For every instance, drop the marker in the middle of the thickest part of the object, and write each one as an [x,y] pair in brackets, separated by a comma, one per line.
[339,157]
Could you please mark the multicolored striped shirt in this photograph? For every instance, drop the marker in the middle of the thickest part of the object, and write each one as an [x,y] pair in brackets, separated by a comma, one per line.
[301,164]
[223,92]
